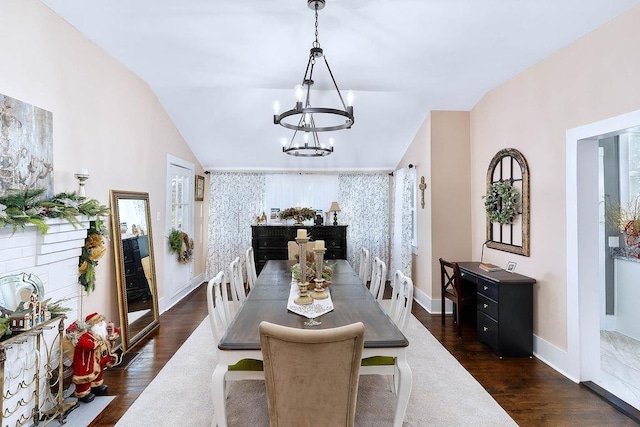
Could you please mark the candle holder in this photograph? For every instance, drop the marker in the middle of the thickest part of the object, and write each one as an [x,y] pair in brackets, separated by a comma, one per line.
[303,293]
[302,255]
[319,292]
[303,297]
[81,176]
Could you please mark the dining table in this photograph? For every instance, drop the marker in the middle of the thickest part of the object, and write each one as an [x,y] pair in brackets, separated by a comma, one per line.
[352,302]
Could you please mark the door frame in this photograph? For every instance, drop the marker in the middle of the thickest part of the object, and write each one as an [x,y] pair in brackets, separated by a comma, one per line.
[171,298]
[583,293]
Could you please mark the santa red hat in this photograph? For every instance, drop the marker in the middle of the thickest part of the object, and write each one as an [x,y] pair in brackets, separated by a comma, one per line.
[94,318]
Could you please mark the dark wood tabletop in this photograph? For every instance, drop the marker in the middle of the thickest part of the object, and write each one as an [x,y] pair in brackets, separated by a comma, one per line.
[352,302]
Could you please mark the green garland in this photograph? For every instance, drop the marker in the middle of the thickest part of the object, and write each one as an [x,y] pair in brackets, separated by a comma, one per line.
[92,251]
[18,208]
[501,202]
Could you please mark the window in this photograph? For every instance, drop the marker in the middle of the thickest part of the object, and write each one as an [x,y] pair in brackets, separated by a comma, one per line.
[413,177]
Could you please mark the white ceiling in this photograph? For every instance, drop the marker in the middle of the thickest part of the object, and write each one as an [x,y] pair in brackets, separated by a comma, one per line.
[218,66]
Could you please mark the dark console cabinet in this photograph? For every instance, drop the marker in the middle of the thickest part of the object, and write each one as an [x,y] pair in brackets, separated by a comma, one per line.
[270,241]
[504,309]
[134,249]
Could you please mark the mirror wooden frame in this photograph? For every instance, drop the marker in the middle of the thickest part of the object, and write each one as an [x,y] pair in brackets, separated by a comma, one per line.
[129,337]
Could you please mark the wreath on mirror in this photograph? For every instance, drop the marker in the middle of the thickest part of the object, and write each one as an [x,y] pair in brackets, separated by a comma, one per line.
[501,202]
[180,243]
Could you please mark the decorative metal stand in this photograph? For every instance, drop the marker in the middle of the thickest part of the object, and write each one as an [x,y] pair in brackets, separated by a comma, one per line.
[14,398]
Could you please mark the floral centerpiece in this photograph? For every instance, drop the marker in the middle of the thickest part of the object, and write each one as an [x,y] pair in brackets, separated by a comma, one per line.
[327,272]
[298,214]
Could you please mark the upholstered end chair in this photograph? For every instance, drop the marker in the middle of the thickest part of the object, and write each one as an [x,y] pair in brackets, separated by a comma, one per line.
[311,376]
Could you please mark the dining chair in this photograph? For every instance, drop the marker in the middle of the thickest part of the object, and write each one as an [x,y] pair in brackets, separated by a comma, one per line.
[250,262]
[451,288]
[217,305]
[236,281]
[401,300]
[364,270]
[378,278]
[398,310]
[311,376]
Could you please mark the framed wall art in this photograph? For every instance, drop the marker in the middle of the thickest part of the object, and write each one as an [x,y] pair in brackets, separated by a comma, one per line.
[199,191]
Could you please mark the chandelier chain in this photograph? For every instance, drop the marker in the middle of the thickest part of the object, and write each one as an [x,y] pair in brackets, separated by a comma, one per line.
[316,43]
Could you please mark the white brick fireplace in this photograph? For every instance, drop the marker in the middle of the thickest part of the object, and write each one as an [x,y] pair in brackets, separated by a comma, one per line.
[53,257]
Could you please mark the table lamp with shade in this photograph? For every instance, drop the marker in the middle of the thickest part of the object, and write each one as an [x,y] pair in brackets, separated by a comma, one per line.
[335,209]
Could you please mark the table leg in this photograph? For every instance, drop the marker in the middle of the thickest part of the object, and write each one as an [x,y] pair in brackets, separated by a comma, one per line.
[405,381]
[219,395]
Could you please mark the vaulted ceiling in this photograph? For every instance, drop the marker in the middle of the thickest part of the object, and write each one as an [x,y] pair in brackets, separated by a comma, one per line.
[219,66]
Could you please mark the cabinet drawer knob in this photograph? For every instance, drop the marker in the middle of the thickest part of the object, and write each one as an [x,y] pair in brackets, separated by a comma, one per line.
[485,328]
[485,287]
[485,305]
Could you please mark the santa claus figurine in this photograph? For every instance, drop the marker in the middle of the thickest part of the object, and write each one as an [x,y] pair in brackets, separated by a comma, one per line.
[92,342]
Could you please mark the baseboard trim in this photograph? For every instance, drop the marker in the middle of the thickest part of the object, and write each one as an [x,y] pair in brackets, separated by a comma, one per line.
[613,400]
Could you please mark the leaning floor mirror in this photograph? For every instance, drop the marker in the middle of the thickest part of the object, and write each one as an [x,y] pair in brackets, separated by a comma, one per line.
[135,266]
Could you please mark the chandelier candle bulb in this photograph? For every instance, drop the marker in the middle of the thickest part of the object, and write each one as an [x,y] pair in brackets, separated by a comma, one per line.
[319,245]
[302,234]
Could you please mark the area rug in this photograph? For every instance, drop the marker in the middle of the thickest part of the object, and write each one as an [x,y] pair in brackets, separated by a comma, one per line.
[443,393]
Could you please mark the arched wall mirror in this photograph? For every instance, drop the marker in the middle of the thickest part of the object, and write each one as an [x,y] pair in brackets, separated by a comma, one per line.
[135,265]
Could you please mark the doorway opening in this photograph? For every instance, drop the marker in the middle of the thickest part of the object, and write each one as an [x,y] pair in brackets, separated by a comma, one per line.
[585,247]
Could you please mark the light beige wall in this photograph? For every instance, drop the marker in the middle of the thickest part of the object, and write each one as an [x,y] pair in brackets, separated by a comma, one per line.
[440,150]
[590,80]
[105,119]
[451,211]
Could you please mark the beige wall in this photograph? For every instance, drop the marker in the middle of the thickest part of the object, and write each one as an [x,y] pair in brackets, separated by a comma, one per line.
[105,119]
[590,80]
[440,150]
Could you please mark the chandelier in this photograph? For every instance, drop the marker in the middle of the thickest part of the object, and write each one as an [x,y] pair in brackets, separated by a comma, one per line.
[303,117]
[310,147]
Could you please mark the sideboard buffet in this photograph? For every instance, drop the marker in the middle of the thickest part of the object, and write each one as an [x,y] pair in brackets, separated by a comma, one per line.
[270,241]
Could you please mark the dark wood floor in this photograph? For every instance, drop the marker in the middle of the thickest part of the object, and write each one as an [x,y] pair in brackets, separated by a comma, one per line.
[530,391]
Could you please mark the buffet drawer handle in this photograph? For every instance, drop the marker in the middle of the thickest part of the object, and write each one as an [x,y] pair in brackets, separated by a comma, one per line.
[485,305]
[485,288]
[485,329]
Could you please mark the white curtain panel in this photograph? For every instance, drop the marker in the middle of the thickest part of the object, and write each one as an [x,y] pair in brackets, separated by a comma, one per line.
[236,199]
[401,258]
[314,191]
[364,204]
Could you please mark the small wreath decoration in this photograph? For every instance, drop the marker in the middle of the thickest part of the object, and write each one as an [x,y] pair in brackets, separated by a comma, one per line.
[501,202]
[180,243]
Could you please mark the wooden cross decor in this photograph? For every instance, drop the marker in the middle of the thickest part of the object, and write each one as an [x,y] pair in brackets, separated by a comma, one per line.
[422,187]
